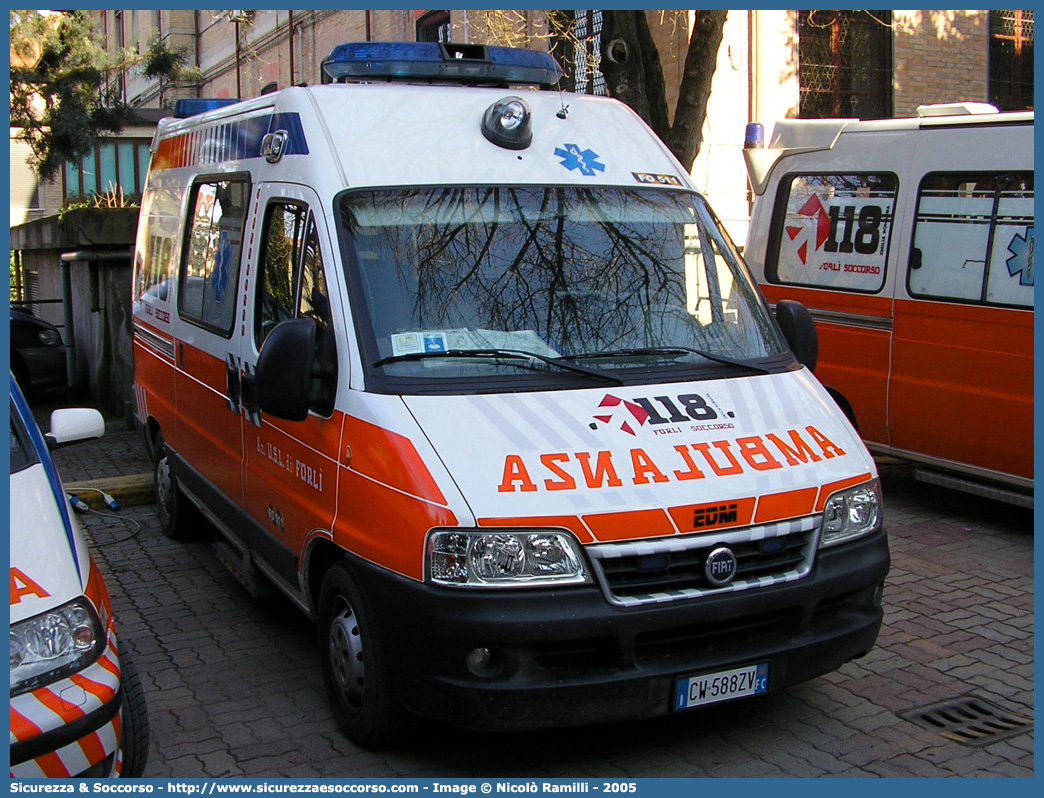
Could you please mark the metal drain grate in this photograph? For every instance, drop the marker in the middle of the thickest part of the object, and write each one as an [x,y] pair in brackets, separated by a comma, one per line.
[969,721]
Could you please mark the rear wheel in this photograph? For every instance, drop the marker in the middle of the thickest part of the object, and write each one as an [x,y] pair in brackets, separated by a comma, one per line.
[134,731]
[178,517]
[355,669]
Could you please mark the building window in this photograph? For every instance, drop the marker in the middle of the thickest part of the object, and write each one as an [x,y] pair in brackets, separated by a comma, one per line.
[588,77]
[114,166]
[845,64]
[1011,60]
[25,186]
[434,26]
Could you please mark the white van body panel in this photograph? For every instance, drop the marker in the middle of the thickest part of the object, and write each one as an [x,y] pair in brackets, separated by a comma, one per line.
[547,432]
[544,417]
[884,314]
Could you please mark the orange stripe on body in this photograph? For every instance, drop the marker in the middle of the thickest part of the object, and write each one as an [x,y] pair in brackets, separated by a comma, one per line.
[826,299]
[389,458]
[59,706]
[52,766]
[107,662]
[383,525]
[103,692]
[22,728]
[630,524]
[833,487]
[92,748]
[789,504]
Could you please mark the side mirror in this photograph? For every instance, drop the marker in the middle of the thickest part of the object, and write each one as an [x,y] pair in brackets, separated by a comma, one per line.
[283,377]
[74,424]
[799,331]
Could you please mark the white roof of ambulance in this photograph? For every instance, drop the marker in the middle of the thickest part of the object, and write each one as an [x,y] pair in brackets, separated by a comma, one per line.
[395,134]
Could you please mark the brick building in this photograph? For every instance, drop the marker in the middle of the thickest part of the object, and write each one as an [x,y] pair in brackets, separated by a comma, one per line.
[772,64]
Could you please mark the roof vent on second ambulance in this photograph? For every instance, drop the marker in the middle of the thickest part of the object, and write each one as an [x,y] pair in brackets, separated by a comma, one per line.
[955,109]
[429,62]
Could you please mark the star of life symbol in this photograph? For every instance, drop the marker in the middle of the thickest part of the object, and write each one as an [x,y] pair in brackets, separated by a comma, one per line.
[813,209]
[584,160]
[1021,261]
[617,411]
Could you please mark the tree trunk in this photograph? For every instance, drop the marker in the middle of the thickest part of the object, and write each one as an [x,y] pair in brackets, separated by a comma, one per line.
[631,67]
[687,133]
[634,75]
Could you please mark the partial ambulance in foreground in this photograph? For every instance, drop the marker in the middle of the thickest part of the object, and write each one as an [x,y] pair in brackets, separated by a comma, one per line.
[473,374]
[911,241]
[77,704]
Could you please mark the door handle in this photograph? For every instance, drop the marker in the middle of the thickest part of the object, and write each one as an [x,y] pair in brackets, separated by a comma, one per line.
[233,384]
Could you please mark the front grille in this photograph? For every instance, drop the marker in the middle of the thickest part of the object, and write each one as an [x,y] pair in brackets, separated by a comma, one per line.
[672,569]
[699,640]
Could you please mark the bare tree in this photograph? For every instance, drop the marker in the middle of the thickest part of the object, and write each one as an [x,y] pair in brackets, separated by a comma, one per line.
[634,74]
[629,60]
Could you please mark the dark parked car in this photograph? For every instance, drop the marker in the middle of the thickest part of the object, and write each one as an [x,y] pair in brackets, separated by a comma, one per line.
[37,353]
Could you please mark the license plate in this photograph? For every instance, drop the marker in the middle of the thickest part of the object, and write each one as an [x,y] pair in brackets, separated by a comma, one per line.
[710,688]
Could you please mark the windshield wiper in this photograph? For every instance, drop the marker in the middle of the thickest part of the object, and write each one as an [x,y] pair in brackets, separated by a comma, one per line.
[500,354]
[666,351]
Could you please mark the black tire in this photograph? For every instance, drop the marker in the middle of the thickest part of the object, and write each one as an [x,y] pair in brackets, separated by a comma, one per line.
[134,733]
[178,518]
[355,670]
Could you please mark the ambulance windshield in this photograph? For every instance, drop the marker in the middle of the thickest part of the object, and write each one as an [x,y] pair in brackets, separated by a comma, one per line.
[459,282]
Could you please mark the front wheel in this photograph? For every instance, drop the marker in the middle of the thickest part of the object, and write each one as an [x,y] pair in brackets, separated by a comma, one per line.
[134,730]
[178,517]
[358,680]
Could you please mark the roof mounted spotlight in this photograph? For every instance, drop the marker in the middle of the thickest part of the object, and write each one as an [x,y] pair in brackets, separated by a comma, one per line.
[508,123]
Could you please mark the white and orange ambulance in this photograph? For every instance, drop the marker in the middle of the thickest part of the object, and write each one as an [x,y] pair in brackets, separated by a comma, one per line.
[911,242]
[77,704]
[472,373]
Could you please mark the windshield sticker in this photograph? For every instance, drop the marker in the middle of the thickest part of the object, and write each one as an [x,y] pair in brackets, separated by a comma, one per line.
[416,342]
[586,161]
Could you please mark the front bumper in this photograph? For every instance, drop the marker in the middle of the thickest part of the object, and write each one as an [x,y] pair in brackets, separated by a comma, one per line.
[45,366]
[61,730]
[562,657]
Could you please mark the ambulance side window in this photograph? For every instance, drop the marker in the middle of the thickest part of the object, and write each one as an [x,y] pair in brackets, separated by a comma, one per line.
[283,241]
[210,267]
[293,285]
[973,239]
[832,231]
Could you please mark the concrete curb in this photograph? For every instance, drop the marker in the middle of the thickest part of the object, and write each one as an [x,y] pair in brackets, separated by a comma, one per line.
[127,491]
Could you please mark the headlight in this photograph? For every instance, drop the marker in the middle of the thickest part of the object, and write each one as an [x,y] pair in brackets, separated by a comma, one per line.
[49,338]
[852,513]
[54,644]
[504,558]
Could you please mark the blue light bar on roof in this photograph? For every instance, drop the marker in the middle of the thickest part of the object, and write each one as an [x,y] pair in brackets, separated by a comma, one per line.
[199,105]
[472,64]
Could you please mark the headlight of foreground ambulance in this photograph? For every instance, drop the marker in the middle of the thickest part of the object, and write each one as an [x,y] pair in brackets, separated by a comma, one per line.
[852,513]
[54,644]
[504,558]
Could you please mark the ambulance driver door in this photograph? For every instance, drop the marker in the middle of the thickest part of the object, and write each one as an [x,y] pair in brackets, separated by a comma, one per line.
[290,466]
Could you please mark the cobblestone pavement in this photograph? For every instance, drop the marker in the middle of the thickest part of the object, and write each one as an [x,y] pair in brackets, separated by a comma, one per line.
[234,687]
